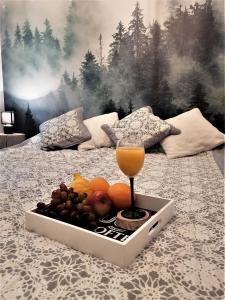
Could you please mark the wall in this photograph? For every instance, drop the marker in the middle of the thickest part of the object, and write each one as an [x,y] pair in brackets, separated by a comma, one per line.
[112,55]
[1,88]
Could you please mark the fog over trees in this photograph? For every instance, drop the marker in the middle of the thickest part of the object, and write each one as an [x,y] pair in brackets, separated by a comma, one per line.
[172,67]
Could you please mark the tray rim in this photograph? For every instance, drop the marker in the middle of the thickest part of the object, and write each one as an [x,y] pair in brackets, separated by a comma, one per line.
[81,229]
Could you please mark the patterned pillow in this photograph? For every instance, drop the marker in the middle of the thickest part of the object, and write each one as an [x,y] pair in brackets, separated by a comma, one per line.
[143,125]
[64,131]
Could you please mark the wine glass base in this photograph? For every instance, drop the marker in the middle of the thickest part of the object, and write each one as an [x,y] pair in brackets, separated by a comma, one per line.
[132,219]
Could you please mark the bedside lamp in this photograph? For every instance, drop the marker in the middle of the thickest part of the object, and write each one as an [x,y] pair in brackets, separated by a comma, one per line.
[7,119]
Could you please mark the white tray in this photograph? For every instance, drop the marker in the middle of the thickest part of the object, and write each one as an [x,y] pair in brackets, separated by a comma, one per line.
[121,253]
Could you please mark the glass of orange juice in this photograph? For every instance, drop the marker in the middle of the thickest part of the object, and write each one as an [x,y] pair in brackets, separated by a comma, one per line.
[130,155]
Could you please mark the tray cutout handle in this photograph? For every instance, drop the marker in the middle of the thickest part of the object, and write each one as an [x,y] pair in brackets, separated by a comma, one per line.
[154,227]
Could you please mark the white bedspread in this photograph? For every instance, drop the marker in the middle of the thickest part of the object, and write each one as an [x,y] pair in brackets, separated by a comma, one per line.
[184,262]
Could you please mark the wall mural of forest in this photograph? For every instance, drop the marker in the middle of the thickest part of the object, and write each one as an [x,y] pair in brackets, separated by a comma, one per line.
[171,66]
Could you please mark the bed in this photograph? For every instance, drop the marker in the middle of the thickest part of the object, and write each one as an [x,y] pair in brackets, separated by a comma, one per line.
[185,261]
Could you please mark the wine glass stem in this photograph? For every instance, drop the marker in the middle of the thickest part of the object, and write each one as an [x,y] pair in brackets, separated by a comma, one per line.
[132,193]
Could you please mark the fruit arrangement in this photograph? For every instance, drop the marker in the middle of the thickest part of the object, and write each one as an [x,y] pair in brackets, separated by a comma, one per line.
[85,201]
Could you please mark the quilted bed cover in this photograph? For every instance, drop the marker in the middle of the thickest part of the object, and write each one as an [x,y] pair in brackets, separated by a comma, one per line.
[185,261]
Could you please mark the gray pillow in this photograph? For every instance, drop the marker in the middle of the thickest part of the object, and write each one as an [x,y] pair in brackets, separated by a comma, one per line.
[143,125]
[64,131]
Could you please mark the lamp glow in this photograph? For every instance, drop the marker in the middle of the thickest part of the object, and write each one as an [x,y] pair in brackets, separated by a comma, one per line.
[7,119]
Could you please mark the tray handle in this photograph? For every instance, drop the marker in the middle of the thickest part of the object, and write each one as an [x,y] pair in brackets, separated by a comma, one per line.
[154,227]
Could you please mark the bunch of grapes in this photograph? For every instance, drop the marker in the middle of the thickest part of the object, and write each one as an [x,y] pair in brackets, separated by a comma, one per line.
[69,206]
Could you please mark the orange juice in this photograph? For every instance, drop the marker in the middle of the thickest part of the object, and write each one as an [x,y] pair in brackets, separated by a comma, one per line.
[130,159]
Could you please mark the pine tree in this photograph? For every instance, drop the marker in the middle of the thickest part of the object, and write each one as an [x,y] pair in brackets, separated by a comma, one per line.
[51,46]
[69,36]
[179,32]
[37,40]
[30,124]
[18,37]
[199,98]
[6,58]
[6,45]
[108,107]
[121,112]
[66,78]
[137,31]
[165,108]
[155,68]
[115,45]
[206,32]
[27,35]
[48,39]
[130,107]
[74,82]
[90,72]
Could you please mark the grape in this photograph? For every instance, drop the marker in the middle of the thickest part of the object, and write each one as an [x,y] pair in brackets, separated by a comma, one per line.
[85,201]
[71,196]
[64,213]
[41,205]
[91,217]
[79,206]
[73,214]
[63,187]
[60,207]
[52,214]
[64,195]
[86,208]
[69,204]
[56,194]
[93,224]
[82,196]
[55,202]
[71,190]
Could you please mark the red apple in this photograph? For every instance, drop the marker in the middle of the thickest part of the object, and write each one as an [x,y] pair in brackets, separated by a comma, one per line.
[100,202]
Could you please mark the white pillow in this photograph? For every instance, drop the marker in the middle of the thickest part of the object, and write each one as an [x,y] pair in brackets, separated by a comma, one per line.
[98,137]
[197,135]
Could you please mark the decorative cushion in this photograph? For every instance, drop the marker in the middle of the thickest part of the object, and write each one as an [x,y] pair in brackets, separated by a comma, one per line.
[142,124]
[64,131]
[197,135]
[98,137]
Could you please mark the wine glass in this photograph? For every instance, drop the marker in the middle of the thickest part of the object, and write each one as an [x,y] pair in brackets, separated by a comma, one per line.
[130,154]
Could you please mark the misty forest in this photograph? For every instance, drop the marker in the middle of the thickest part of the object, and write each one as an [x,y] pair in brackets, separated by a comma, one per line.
[172,67]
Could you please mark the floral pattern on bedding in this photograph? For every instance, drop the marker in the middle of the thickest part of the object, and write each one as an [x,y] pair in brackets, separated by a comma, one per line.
[184,262]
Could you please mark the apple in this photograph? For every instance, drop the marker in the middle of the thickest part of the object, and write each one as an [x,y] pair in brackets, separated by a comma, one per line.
[100,202]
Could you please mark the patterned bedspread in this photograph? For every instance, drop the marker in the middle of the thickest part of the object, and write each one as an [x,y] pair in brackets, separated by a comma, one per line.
[185,261]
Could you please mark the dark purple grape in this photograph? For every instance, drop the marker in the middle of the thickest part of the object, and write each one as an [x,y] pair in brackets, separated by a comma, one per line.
[73,214]
[64,195]
[60,207]
[55,202]
[56,194]
[63,187]
[91,217]
[71,190]
[64,213]
[93,224]
[81,196]
[86,208]
[75,194]
[41,205]
[79,206]
[69,204]
[53,214]
[71,196]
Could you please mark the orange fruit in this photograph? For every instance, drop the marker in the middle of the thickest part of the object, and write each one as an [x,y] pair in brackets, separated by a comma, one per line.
[99,184]
[119,193]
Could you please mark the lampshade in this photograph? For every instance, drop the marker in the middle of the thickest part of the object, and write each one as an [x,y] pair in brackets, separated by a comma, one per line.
[7,117]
